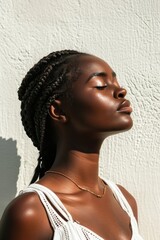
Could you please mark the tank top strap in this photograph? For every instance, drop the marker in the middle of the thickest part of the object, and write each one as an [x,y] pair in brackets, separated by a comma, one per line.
[126,207]
[56,211]
[120,197]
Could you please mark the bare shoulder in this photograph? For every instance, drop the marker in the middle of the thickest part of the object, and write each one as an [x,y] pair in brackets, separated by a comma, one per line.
[25,218]
[131,200]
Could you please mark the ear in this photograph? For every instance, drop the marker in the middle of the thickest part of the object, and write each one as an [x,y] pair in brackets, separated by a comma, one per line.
[56,112]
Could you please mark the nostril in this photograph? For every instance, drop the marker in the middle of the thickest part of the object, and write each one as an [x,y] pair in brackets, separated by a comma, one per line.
[120,92]
[121,95]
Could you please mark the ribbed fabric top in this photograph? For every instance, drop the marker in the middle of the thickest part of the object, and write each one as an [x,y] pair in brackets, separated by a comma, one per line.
[65,227]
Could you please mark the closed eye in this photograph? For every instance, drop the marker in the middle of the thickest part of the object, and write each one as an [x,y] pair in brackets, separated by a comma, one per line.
[101,87]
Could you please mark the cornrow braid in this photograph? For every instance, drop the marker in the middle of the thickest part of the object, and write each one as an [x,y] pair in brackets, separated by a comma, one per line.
[45,81]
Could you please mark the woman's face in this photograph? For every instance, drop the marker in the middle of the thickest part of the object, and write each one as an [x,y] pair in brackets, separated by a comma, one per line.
[99,104]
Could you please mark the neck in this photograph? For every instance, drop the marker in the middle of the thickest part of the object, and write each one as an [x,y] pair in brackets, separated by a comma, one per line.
[81,166]
[79,163]
[78,158]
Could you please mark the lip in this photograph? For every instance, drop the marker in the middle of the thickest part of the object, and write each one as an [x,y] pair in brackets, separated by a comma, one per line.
[125,107]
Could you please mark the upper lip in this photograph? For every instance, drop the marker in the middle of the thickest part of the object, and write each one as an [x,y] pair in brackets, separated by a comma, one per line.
[124,104]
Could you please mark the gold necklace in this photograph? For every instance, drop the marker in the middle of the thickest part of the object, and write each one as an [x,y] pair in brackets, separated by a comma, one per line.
[80,187]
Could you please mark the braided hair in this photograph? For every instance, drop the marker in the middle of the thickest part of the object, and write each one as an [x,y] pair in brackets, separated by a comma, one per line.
[45,81]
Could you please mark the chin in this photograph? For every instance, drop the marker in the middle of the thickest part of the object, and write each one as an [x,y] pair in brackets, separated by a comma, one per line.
[126,124]
[121,126]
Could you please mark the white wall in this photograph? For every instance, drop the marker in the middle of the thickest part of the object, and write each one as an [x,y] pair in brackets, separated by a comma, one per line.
[125,33]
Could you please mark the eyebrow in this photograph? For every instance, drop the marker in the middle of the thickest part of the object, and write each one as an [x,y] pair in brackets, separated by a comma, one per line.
[101,74]
[113,74]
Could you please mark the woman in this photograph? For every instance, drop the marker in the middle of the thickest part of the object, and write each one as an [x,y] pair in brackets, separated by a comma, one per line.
[71,102]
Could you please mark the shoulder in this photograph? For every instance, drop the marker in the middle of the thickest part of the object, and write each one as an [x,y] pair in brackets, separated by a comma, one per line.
[24,218]
[131,200]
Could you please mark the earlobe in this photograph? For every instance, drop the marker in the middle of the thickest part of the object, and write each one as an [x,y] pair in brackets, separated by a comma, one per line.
[56,112]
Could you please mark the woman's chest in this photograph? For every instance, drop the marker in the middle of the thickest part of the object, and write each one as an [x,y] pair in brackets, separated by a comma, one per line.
[103,216]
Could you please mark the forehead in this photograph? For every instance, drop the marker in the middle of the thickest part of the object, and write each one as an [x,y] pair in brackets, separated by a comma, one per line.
[88,64]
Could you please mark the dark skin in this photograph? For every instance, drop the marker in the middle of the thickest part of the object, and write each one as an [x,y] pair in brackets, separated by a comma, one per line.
[81,128]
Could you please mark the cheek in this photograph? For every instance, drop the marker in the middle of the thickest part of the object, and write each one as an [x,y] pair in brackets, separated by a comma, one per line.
[93,110]
[98,112]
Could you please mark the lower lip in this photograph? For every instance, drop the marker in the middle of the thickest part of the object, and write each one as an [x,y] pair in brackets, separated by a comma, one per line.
[125,110]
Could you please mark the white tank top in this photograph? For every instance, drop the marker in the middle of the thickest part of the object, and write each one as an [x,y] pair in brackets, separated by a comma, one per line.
[65,227]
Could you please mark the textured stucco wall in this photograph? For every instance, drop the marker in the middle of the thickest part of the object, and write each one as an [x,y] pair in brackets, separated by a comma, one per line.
[127,34]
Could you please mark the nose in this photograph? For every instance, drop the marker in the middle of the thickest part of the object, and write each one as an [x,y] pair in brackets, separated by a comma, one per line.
[120,92]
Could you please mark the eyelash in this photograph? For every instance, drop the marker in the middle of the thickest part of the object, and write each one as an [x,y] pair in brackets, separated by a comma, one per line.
[101,87]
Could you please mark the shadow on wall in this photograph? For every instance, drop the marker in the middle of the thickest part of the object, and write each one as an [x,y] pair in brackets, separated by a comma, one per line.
[9,169]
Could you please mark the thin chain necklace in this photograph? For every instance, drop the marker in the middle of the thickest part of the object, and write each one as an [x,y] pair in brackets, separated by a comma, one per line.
[80,187]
